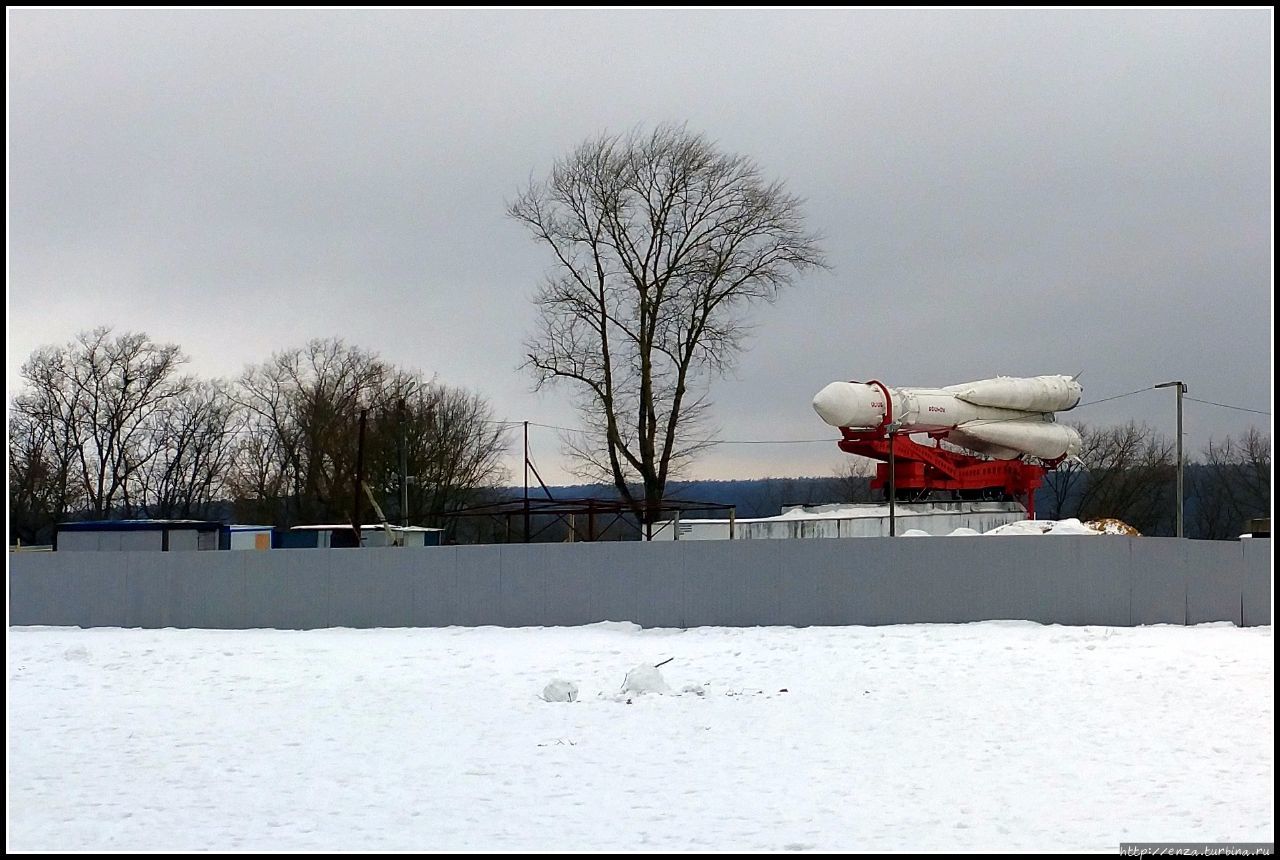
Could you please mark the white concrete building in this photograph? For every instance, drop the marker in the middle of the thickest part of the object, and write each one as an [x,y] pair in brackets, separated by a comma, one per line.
[845,520]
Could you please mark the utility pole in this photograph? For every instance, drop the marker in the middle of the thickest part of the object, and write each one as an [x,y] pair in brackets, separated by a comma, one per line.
[526,482]
[893,485]
[1182,389]
[355,519]
[404,466]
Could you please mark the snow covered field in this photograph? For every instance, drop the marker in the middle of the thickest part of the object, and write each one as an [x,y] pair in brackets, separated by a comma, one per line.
[1002,735]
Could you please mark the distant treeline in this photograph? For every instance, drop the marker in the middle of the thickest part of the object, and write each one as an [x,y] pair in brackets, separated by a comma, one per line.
[109,425]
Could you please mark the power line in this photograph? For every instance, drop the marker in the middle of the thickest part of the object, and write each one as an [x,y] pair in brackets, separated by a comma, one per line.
[1227,406]
[829,441]
[1114,397]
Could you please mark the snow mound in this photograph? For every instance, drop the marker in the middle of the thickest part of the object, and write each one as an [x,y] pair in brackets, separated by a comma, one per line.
[1107,526]
[1050,527]
[1113,526]
[1070,527]
[615,626]
[560,691]
[964,532]
[1023,527]
[76,654]
[644,679]
[915,533]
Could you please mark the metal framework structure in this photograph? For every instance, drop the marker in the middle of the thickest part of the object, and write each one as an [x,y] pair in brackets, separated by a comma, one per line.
[597,515]
[919,469]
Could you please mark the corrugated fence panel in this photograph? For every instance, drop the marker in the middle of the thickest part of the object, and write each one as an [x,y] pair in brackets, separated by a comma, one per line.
[435,585]
[1158,581]
[1054,580]
[479,586]
[209,590]
[1256,554]
[1215,581]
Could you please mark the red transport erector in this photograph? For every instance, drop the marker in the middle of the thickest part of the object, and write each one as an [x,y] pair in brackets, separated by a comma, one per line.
[1007,423]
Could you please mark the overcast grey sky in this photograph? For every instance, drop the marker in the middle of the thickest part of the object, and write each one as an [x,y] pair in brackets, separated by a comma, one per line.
[1014,192]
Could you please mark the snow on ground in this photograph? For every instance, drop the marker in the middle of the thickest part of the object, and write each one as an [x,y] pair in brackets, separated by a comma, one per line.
[1070,526]
[1000,735]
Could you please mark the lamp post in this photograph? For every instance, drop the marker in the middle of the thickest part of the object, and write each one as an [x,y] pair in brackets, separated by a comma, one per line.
[1182,389]
[893,486]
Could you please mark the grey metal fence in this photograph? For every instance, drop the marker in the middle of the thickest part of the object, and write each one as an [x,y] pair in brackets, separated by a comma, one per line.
[1053,579]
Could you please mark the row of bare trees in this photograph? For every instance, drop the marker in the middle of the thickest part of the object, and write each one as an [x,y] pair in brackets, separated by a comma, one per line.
[1233,484]
[1128,471]
[110,425]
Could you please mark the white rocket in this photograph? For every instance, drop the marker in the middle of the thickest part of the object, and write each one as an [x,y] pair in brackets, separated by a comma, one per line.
[1004,418]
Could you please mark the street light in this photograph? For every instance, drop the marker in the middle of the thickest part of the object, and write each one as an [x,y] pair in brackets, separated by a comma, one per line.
[1182,389]
[893,428]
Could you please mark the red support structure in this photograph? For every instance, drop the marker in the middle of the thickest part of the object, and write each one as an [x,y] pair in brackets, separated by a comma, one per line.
[922,468]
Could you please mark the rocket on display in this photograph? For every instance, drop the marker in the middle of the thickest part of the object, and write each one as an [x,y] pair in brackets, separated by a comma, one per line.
[1003,418]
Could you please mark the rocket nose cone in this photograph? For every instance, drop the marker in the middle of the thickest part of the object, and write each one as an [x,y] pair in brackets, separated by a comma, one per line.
[833,404]
[850,404]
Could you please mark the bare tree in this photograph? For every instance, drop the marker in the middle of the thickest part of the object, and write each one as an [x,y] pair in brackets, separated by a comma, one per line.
[297,459]
[1124,471]
[196,442]
[100,397]
[257,479]
[854,478]
[309,400]
[453,450]
[661,242]
[1064,486]
[1232,485]
[42,489]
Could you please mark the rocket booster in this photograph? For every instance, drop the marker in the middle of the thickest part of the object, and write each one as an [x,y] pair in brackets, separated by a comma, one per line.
[1004,418]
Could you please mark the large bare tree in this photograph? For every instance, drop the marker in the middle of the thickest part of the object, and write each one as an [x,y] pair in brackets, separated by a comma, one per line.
[453,451]
[296,460]
[98,401]
[196,438]
[308,401]
[660,243]
[43,488]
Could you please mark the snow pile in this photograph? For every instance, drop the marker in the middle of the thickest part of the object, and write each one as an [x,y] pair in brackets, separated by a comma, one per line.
[1071,527]
[1047,527]
[644,679]
[1023,527]
[560,691]
[1043,527]
[1113,526]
